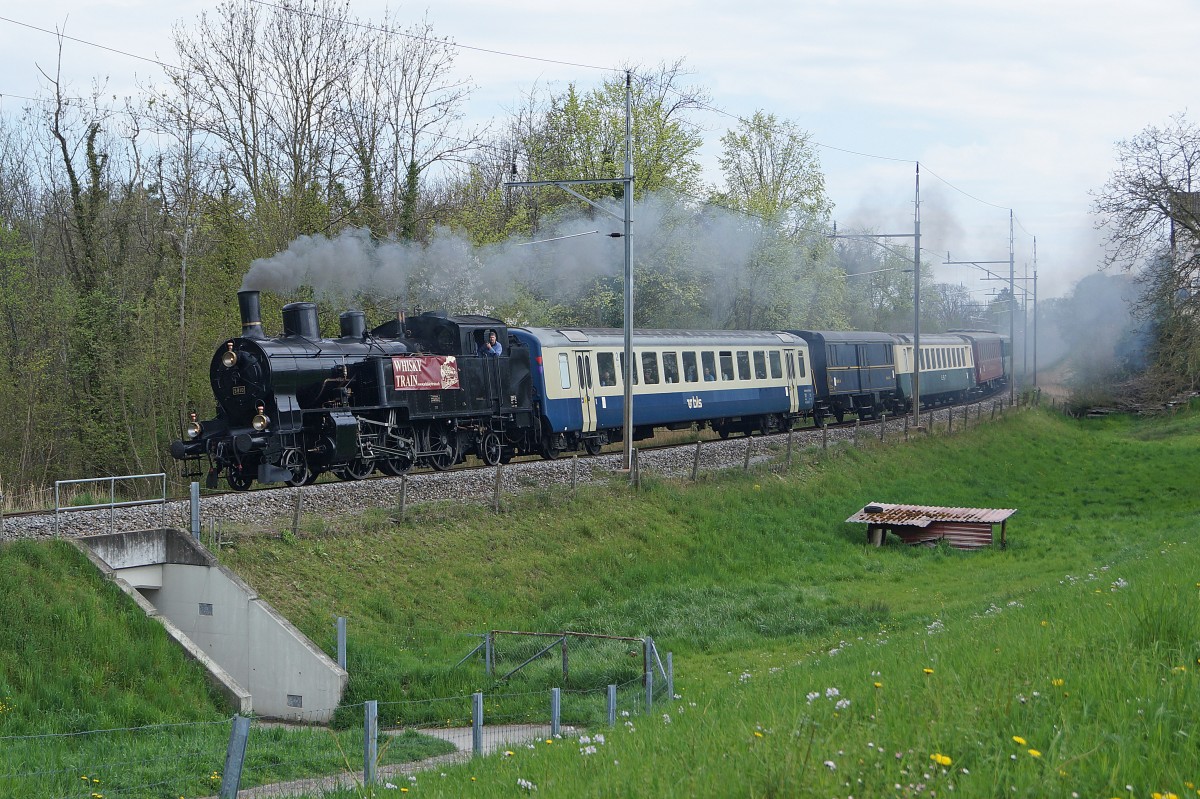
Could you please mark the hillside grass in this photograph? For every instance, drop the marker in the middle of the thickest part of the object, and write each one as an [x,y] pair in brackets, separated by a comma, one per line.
[1064,664]
[765,595]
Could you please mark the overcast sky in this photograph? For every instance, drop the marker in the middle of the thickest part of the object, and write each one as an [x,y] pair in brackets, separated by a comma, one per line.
[1007,104]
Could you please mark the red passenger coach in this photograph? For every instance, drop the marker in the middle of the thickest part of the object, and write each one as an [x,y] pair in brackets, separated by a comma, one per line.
[988,350]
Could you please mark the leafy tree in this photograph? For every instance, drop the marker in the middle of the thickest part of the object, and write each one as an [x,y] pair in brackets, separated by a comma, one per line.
[772,176]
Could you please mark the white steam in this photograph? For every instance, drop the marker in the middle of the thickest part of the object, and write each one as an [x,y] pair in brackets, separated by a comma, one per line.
[718,245]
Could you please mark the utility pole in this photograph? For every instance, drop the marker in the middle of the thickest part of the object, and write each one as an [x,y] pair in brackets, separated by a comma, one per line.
[627,220]
[1035,311]
[916,270]
[917,301]
[1012,312]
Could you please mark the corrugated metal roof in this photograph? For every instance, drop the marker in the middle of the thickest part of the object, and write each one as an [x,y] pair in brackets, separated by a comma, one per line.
[924,515]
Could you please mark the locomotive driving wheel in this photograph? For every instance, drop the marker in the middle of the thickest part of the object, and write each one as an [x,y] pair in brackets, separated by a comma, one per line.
[490,450]
[357,469]
[293,461]
[442,443]
[394,467]
[238,480]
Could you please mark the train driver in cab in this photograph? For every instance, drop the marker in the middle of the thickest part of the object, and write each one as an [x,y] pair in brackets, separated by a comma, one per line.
[490,346]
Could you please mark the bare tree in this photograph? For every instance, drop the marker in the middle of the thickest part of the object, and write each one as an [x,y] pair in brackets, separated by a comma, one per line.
[268,89]
[1150,212]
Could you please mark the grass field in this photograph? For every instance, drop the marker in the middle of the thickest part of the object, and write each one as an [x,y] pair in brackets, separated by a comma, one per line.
[806,663]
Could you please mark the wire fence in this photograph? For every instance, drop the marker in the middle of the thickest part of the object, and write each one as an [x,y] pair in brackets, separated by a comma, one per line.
[388,741]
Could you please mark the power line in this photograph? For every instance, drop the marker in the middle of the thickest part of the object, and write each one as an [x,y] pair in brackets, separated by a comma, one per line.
[494,148]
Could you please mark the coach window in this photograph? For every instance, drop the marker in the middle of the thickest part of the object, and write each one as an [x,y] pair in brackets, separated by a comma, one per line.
[760,365]
[710,365]
[608,374]
[690,373]
[800,361]
[726,365]
[564,370]
[670,367]
[743,362]
[776,365]
[650,367]
[635,375]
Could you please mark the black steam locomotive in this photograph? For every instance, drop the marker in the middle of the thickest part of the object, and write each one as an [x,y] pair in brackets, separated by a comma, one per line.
[415,391]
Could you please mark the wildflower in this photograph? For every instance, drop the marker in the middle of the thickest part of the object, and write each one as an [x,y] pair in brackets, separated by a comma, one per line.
[1034,753]
[757,734]
[878,685]
[927,670]
[811,695]
[599,739]
[1018,740]
[1045,623]
[842,704]
[940,759]
[829,764]
[509,753]
[830,693]
[472,779]
[587,750]
[403,790]
[549,740]
[666,718]
[1057,682]
[526,784]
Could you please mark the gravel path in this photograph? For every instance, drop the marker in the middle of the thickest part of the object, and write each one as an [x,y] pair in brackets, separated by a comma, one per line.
[263,508]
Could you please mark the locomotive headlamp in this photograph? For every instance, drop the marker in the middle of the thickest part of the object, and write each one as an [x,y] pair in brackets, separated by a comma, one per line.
[193,429]
[229,357]
[260,420]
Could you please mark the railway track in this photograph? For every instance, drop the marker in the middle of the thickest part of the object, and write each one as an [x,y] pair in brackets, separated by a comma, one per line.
[272,509]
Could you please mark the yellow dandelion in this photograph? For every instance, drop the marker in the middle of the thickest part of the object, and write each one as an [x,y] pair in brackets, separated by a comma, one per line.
[404,790]
[927,671]
[472,779]
[757,734]
[940,759]
[1034,753]
[1056,682]
[1045,623]
[878,685]
[549,740]
[1018,740]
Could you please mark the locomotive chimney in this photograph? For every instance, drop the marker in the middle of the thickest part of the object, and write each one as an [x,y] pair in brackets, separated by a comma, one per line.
[353,324]
[251,314]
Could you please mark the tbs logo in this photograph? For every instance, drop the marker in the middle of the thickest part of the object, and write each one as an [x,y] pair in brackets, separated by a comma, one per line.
[695,402]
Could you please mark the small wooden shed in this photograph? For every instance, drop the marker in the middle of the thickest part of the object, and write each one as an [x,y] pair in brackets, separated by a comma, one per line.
[961,528]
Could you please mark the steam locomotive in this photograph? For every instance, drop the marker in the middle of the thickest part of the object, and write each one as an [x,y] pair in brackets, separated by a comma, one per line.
[424,390]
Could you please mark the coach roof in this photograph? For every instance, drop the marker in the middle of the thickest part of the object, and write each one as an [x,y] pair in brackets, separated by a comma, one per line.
[679,339]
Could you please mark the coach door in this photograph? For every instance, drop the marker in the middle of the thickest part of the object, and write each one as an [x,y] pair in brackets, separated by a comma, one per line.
[793,389]
[583,373]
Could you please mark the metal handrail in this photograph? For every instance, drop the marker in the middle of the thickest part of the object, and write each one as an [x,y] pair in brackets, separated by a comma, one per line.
[112,503]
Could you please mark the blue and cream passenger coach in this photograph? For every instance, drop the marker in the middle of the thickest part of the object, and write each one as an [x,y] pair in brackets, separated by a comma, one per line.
[730,380]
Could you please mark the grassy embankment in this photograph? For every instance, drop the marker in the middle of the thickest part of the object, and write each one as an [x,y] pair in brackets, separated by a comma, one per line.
[1066,663]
